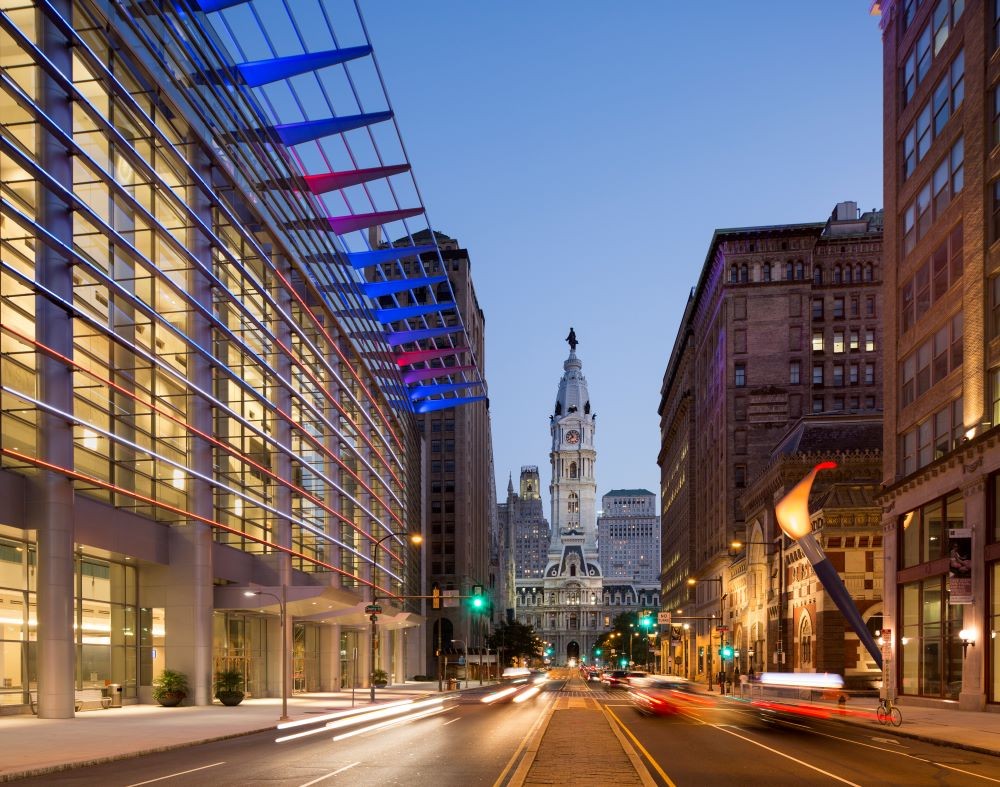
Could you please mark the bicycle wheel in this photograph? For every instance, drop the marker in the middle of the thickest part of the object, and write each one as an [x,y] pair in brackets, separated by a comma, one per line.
[882,713]
[895,716]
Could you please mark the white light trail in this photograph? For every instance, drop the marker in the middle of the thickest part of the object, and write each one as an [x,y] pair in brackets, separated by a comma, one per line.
[383,724]
[498,695]
[527,694]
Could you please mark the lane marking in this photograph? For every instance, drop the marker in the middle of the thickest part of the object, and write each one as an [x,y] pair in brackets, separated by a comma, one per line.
[905,754]
[641,748]
[333,773]
[181,773]
[786,756]
[450,722]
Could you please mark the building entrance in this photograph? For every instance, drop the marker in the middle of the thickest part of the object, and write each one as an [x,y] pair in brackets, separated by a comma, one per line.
[573,653]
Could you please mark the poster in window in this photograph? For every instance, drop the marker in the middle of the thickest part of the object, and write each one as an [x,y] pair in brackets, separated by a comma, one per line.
[960,565]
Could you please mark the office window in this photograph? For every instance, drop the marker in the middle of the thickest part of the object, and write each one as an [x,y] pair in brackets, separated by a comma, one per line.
[869,374]
[838,342]
[869,402]
[855,311]
[794,372]
[855,341]
[740,375]
[838,308]
[817,374]
[817,309]
[852,374]
[817,341]
[838,403]
[838,374]
[869,340]
[870,306]
[934,196]
[766,271]
[817,274]
[817,405]
[740,476]
[800,271]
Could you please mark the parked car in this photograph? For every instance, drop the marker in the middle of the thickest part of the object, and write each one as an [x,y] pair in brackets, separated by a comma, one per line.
[659,696]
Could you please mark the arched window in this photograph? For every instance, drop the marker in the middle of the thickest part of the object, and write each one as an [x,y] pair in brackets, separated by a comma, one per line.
[766,271]
[869,272]
[788,271]
[573,505]
[848,274]
[733,274]
[857,272]
[805,640]
[572,570]
[800,271]
[572,469]
[744,274]
[817,275]
[836,275]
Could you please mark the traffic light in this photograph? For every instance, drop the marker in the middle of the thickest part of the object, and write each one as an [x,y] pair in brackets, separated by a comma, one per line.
[597,652]
[478,599]
[436,597]
[645,622]
[624,662]
[726,651]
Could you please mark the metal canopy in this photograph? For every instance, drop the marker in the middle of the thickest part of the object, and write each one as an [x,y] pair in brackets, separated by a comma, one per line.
[310,72]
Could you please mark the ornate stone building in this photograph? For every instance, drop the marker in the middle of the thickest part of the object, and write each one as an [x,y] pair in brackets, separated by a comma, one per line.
[573,603]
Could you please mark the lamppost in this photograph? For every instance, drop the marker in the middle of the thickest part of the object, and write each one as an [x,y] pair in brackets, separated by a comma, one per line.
[416,539]
[692,581]
[284,644]
[465,659]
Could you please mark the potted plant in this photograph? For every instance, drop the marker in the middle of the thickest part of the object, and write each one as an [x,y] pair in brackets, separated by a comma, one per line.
[380,678]
[229,686]
[170,688]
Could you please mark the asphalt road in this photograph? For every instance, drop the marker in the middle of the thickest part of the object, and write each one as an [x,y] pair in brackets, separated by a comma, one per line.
[728,743]
[467,743]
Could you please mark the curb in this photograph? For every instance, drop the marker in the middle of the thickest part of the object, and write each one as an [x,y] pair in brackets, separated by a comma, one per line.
[531,750]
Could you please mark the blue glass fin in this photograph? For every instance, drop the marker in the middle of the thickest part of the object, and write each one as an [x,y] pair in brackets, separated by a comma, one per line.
[423,391]
[396,338]
[430,405]
[262,72]
[309,130]
[365,259]
[375,288]
[402,312]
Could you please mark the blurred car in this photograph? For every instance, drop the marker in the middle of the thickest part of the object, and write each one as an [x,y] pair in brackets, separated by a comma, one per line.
[615,679]
[515,675]
[635,677]
[660,696]
[597,675]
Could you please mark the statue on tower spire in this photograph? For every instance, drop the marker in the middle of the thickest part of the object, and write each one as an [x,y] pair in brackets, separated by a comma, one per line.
[572,340]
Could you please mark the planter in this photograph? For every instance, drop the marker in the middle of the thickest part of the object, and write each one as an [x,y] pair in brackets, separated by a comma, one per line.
[171,699]
[230,698]
[380,684]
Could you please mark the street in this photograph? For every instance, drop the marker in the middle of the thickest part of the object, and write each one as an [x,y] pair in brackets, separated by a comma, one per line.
[464,741]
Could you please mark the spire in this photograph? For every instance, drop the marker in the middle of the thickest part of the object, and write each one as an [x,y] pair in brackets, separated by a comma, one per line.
[573,396]
[510,484]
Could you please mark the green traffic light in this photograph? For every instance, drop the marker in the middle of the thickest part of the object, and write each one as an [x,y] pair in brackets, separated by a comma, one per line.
[597,652]
[477,602]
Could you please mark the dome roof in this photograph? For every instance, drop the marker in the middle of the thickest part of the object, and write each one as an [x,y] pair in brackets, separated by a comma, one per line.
[573,396]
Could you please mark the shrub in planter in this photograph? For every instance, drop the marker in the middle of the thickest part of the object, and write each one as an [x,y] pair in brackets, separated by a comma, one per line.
[380,678]
[229,686]
[170,688]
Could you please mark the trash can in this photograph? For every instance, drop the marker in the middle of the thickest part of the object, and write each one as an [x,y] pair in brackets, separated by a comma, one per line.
[115,690]
[452,684]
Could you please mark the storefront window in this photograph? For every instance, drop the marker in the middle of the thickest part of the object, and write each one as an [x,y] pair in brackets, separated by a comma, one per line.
[924,533]
[930,648]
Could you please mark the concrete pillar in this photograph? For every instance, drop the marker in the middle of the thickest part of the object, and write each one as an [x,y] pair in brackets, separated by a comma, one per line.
[976,615]
[51,494]
[280,395]
[189,604]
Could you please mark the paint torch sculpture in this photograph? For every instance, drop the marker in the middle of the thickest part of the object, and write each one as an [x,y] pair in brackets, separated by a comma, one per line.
[792,512]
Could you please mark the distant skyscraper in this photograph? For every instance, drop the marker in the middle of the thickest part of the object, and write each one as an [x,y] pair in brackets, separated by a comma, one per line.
[628,535]
[525,520]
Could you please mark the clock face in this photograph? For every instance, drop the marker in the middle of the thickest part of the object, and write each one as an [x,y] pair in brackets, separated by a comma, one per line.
[573,437]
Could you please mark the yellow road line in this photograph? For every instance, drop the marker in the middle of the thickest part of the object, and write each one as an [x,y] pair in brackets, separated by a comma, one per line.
[641,748]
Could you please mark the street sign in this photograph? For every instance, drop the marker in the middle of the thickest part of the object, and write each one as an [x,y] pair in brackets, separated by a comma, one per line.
[722,629]
[373,609]
[663,618]
[449,598]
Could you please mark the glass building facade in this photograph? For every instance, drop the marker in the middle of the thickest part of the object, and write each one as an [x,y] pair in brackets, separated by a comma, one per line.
[197,396]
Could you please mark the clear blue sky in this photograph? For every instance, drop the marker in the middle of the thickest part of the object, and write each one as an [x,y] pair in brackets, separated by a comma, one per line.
[583,152]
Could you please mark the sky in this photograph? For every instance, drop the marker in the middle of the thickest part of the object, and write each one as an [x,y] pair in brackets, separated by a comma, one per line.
[584,152]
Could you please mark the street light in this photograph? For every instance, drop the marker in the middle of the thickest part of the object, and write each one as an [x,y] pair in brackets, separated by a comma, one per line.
[416,539]
[692,582]
[465,659]
[284,645]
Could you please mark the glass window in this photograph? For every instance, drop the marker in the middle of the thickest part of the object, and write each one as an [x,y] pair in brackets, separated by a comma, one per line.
[817,341]
[740,375]
[794,371]
[838,342]
[817,374]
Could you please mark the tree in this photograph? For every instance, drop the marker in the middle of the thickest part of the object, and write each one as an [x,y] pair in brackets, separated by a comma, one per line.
[514,639]
[624,626]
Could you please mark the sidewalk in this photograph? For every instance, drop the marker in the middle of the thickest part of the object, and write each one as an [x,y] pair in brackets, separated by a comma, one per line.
[33,746]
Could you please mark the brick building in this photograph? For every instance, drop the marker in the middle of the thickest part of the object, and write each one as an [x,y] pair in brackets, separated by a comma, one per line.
[784,322]
[941,76]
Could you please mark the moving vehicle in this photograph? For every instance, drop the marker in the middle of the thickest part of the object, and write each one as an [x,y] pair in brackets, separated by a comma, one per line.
[615,679]
[660,696]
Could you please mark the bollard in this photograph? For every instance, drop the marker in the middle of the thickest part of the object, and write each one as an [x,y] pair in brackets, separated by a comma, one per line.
[842,704]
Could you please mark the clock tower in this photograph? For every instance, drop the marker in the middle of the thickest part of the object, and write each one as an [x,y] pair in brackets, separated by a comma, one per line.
[573,490]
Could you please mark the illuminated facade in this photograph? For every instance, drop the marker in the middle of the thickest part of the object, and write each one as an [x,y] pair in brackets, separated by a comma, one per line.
[201,394]
[628,536]
[941,475]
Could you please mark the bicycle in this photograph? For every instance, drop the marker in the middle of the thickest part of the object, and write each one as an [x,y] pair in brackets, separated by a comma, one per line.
[888,713]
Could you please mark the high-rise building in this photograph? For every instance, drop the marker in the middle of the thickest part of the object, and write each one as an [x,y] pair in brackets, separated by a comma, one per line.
[209,418]
[941,496]
[573,603]
[785,321]
[524,515]
[628,536]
